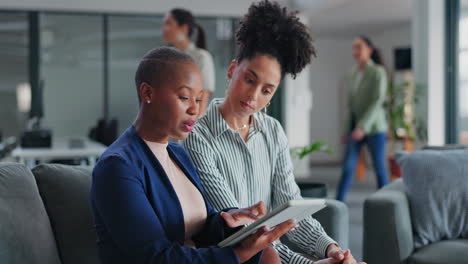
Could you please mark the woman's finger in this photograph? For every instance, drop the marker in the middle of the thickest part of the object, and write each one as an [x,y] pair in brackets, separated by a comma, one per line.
[247,214]
[262,210]
[336,253]
[260,232]
[258,209]
[281,229]
[228,218]
[349,259]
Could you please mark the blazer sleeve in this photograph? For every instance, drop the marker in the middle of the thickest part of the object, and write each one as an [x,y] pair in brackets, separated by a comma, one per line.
[378,97]
[120,200]
[217,228]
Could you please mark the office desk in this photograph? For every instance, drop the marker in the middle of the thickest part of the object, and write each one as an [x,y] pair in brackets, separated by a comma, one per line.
[62,148]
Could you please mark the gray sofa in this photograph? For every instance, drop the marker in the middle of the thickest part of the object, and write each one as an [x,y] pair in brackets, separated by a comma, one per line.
[388,233]
[45,215]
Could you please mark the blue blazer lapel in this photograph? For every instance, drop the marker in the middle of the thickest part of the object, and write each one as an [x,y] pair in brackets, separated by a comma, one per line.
[174,215]
[190,171]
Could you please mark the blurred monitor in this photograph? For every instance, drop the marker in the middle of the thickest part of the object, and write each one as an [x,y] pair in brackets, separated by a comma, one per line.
[37,101]
[402,58]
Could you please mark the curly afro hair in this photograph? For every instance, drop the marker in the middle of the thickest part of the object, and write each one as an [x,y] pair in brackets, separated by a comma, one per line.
[271,29]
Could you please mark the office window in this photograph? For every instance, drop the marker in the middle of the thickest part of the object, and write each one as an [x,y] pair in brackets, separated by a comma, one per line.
[87,64]
[130,37]
[463,74]
[71,69]
[14,45]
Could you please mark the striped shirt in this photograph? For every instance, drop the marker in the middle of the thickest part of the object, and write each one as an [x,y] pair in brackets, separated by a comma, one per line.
[238,173]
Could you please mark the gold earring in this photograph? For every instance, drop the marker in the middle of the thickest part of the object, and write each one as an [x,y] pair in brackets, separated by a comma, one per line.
[265,110]
[228,83]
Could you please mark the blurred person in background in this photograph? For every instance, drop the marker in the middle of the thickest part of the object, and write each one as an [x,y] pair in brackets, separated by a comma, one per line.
[367,124]
[178,30]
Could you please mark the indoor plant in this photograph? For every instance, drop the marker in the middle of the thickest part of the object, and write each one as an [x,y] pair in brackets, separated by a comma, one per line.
[404,126]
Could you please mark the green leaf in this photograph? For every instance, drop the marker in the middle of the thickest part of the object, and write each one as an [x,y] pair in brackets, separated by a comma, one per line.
[301,152]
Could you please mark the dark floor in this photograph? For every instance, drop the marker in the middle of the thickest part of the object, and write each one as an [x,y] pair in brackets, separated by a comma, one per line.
[355,199]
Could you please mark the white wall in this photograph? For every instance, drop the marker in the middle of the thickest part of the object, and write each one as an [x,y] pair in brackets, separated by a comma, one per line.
[429,64]
[297,103]
[297,106]
[394,37]
[326,80]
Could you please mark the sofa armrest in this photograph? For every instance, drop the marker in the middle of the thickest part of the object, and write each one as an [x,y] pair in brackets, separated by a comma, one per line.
[388,235]
[335,220]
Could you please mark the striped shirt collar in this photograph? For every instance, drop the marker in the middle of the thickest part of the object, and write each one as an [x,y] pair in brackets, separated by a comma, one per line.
[218,125]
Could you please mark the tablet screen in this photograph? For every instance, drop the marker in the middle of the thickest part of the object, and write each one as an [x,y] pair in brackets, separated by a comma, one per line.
[297,209]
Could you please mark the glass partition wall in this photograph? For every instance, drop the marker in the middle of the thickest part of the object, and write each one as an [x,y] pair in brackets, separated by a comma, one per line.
[71,72]
[14,89]
[86,65]
[129,39]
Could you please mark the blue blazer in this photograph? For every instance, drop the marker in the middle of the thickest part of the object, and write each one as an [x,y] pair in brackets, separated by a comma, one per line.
[137,215]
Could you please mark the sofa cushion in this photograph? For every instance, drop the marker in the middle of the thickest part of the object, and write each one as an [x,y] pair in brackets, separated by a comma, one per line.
[437,188]
[25,232]
[443,252]
[65,191]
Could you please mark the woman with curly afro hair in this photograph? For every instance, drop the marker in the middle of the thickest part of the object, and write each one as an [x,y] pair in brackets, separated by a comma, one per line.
[242,154]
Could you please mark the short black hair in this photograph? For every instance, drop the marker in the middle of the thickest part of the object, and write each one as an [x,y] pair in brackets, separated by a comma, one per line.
[156,65]
[271,29]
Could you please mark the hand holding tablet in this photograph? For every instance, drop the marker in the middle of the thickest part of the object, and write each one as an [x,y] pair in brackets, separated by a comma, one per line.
[294,209]
[262,239]
[243,216]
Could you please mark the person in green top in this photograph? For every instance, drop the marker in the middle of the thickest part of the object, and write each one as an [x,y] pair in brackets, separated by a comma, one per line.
[367,123]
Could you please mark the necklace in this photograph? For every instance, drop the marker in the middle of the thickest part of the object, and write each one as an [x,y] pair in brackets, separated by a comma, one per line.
[242,127]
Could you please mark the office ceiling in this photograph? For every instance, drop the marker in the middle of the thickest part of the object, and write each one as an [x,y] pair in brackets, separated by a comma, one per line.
[351,17]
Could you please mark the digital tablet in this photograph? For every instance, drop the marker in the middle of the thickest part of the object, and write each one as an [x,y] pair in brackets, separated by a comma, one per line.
[297,209]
